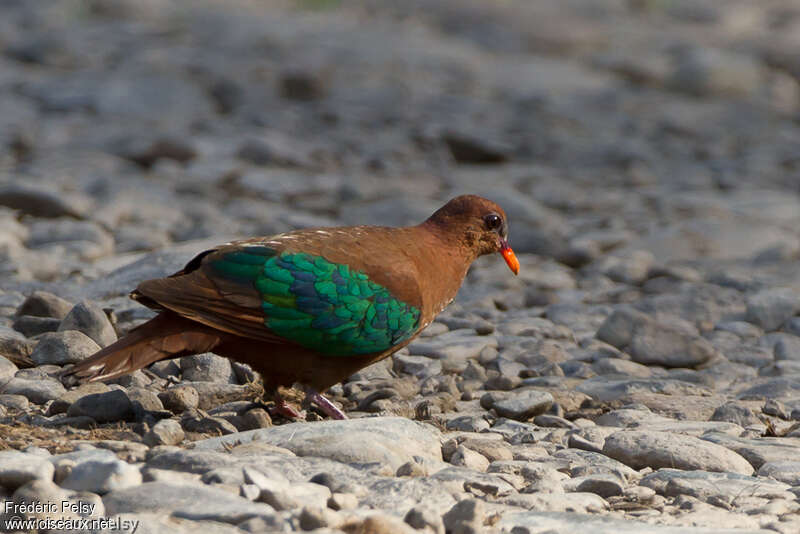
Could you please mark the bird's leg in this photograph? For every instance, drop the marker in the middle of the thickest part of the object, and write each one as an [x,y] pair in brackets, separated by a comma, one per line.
[330,409]
[284,408]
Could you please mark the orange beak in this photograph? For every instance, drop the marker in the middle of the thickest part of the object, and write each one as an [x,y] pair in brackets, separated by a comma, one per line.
[510,257]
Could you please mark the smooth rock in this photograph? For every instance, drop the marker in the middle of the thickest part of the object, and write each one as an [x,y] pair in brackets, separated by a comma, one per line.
[195,502]
[519,404]
[640,449]
[61,348]
[106,407]
[88,318]
[391,441]
[165,432]
[770,308]
[18,468]
[101,477]
[44,304]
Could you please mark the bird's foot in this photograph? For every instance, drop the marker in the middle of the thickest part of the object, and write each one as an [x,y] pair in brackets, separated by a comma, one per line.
[330,409]
[285,409]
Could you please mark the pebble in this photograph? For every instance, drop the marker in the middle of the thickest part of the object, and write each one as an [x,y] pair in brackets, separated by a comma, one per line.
[101,477]
[179,398]
[44,304]
[195,502]
[640,449]
[770,308]
[519,405]
[165,432]
[207,367]
[89,319]
[393,440]
[18,468]
[61,348]
[105,407]
[38,391]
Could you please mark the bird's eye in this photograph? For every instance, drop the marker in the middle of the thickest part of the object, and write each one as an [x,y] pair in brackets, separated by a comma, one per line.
[493,221]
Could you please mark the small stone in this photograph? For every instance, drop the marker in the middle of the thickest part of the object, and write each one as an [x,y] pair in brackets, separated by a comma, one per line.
[384,524]
[603,485]
[519,405]
[423,518]
[7,369]
[470,459]
[207,367]
[41,202]
[165,432]
[18,468]
[640,449]
[735,412]
[16,350]
[62,404]
[466,516]
[30,325]
[179,398]
[106,407]
[102,476]
[61,348]
[88,318]
[301,85]
[44,304]
[195,421]
[468,148]
[342,501]
[314,517]
[770,308]
[38,391]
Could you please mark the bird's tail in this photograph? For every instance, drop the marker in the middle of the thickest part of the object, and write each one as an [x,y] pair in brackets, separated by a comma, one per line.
[167,335]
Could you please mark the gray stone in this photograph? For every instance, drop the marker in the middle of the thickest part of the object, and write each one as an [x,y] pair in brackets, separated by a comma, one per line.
[520,404]
[18,468]
[106,407]
[88,318]
[101,477]
[787,472]
[16,349]
[665,343]
[30,325]
[196,421]
[165,432]
[542,522]
[179,398]
[424,518]
[602,485]
[465,516]
[44,304]
[710,487]
[61,348]
[735,412]
[770,308]
[758,451]
[62,404]
[7,369]
[391,441]
[640,449]
[37,391]
[456,344]
[185,501]
[207,367]
[41,201]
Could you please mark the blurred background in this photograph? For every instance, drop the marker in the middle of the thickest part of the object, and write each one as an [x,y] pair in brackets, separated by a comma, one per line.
[663,132]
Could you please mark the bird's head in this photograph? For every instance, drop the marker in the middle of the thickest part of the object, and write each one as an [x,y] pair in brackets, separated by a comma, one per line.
[479,224]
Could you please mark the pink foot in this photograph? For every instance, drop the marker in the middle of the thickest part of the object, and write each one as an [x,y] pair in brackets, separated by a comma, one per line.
[330,409]
[284,408]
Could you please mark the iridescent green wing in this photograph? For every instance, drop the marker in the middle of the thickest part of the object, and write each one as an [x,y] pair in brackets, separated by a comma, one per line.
[324,306]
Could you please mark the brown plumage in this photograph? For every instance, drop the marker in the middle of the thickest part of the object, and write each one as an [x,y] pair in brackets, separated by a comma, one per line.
[247,301]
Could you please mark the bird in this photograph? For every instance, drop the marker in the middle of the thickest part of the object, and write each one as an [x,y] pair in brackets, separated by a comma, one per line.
[309,307]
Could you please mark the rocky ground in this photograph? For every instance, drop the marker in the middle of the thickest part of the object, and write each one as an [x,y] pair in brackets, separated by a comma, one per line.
[641,375]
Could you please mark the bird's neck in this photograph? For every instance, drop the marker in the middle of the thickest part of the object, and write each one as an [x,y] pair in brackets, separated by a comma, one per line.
[442,261]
